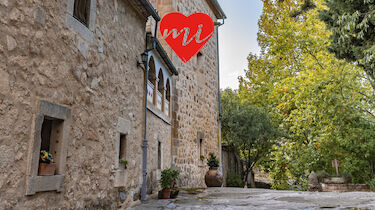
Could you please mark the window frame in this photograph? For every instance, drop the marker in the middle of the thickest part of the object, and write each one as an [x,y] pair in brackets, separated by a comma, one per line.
[123,147]
[160,155]
[200,143]
[160,67]
[85,31]
[87,10]
[34,182]
[120,173]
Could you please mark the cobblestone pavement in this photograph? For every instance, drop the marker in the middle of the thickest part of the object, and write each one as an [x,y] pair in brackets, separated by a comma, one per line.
[238,198]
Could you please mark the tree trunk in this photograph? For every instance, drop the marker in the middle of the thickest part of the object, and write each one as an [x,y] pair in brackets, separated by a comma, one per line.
[245,179]
[252,179]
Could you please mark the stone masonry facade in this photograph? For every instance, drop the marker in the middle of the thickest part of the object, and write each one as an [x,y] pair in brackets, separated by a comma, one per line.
[83,84]
[196,126]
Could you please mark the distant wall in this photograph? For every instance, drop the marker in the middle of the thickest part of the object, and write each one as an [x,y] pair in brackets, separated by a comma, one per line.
[230,163]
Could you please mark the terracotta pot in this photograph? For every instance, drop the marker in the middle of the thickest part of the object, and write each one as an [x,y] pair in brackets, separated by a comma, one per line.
[174,194]
[213,178]
[166,193]
[46,169]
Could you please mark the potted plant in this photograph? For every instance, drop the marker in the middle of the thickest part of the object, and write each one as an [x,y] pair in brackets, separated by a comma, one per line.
[167,181]
[46,165]
[125,162]
[213,177]
[202,157]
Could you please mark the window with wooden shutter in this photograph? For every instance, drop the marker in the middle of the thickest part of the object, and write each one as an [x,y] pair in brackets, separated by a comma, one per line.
[82,11]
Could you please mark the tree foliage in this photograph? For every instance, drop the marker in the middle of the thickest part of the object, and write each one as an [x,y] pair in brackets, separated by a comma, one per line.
[247,128]
[352,24]
[322,103]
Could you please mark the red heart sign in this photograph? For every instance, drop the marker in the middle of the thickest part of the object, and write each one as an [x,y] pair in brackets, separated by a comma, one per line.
[186,35]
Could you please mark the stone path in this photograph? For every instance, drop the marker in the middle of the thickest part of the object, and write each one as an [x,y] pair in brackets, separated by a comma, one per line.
[238,198]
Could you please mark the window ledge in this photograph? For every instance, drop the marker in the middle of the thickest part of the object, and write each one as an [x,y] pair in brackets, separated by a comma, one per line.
[158,174]
[79,28]
[119,170]
[44,183]
[121,178]
[157,113]
[201,165]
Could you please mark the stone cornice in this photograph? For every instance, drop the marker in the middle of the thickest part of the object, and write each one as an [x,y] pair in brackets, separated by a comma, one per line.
[145,8]
[216,8]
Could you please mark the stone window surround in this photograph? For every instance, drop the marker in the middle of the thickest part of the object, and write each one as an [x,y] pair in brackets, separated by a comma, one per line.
[77,26]
[158,170]
[161,154]
[199,58]
[167,77]
[200,135]
[35,183]
[121,175]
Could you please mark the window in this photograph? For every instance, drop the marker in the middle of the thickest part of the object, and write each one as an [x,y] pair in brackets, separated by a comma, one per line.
[199,58]
[201,152]
[122,152]
[82,11]
[160,81]
[151,81]
[159,155]
[167,98]
[51,133]
[81,16]
[160,92]
[51,138]
[122,146]
[200,144]
[168,91]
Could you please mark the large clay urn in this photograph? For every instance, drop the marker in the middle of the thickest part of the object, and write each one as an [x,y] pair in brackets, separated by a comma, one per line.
[213,178]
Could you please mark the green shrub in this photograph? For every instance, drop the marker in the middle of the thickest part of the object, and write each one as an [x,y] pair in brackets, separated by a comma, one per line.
[168,177]
[372,184]
[212,161]
[234,180]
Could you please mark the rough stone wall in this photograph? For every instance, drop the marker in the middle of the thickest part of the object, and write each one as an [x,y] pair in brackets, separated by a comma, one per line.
[158,131]
[230,164]
[195,100]
[41,58]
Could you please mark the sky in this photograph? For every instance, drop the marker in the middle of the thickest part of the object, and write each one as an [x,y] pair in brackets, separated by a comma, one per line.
[237,38]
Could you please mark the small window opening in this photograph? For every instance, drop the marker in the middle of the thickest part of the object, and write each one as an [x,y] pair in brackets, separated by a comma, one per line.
[201,147]
[161,82]
[152,71]
[82,11]
[199,58]
[168,91]
[46,135]
[50,140]
[159,155]
[122,154]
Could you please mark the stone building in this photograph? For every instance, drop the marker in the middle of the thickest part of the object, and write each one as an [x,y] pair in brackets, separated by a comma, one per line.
[196,125]
[72,82]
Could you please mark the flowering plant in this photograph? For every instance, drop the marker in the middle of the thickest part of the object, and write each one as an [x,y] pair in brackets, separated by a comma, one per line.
[45,157]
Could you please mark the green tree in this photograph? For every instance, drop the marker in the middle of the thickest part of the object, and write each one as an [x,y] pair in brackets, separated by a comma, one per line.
[352,24]
[320,102]
[248,129]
